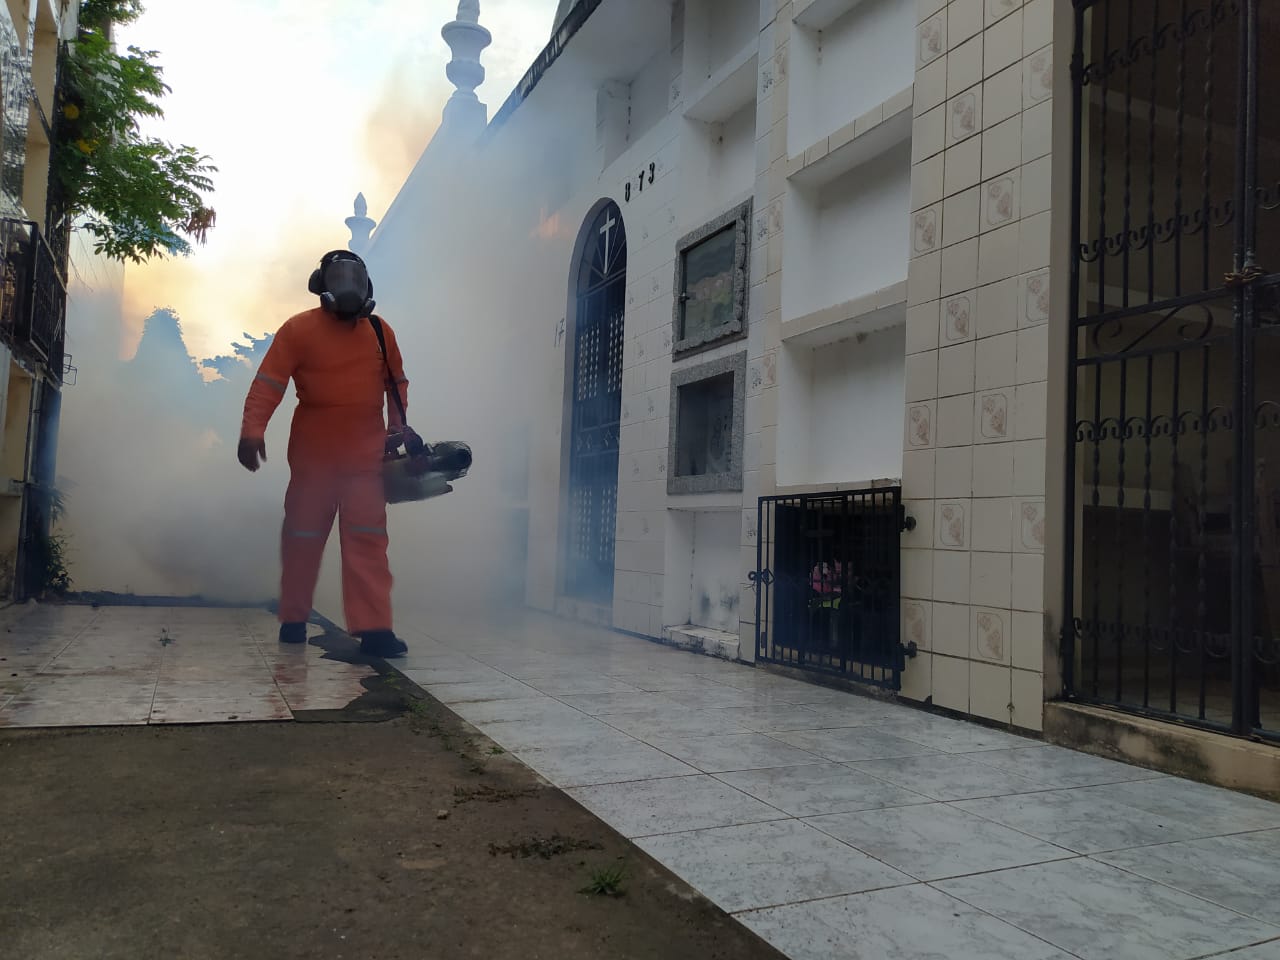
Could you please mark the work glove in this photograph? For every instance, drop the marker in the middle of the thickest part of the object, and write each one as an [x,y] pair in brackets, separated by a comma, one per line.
[413,444]
[249,451]
[406,437]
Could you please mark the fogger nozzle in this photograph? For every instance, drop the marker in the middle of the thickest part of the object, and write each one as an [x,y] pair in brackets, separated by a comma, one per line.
[452,458]
[426,474]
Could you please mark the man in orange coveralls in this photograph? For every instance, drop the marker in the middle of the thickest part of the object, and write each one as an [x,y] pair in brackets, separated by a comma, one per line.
[336,446]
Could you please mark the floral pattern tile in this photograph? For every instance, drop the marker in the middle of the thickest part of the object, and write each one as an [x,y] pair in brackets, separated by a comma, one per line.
[952,525]
[1030,526]
[997,9]
[915,624]
[993,417]
[769,366]
[964,116]
[931,40]
[1034,297]
[990,635]
[999,202]
[1038,75]
[957,319]
[920,425]
[925,230]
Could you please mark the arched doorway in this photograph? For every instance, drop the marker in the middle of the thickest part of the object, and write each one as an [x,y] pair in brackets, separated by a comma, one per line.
[595,404]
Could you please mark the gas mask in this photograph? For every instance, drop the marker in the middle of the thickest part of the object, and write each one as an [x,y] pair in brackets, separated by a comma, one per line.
[343,285]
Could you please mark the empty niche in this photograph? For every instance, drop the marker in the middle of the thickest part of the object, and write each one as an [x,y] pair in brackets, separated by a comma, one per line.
[715,32]
[705,443]
[849,237]
[628,109]
[848,67]
[717,164]
[841,409]
[703,574]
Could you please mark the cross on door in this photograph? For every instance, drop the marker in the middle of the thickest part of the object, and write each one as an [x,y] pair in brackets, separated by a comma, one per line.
[606,231]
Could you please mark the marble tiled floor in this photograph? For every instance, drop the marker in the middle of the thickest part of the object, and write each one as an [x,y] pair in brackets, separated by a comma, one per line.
[841,827]
[76,666]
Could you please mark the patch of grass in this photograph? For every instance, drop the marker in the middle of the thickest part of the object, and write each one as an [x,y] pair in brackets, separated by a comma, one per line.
[606,881]
[488,794]
[496,750]
[544,847]
[422,717]
[425,715]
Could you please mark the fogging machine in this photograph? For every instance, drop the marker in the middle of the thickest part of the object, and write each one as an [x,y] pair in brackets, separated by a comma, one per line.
[418,474]
[426,474]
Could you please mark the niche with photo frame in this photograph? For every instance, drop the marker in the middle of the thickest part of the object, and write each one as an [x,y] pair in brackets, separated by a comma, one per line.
[711,282]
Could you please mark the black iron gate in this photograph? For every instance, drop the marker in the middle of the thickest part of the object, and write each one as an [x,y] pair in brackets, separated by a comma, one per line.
[1173,469]
[827,583]
[596,406]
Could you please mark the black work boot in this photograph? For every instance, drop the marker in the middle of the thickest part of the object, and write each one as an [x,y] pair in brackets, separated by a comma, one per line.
[293,633]
[382,643]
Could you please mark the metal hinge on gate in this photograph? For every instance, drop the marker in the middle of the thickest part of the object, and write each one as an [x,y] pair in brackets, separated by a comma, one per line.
[908,522]
[909,650]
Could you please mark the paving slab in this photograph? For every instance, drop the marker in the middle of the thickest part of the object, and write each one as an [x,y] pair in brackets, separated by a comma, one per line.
[1098,912]
[131,665]
[929,800]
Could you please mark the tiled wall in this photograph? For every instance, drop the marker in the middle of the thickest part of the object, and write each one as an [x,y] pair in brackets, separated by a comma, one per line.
[977,364]
[652,230]
[760,454]
[656,219]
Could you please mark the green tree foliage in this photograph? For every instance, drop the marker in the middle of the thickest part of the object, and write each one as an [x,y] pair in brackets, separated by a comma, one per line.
[138,196]
[102,12]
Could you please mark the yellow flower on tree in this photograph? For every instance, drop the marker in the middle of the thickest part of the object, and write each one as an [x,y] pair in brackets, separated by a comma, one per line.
[84,146]
[71,111]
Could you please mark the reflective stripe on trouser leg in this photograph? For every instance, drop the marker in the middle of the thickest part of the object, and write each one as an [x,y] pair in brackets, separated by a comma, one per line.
[309,507]
[366,574]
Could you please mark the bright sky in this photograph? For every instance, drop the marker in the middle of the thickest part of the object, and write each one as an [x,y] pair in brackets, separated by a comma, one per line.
[301,104]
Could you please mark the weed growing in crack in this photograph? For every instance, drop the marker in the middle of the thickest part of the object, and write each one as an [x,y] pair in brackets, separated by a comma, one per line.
[488,794]
[544,847]
[606,881]
[425,716]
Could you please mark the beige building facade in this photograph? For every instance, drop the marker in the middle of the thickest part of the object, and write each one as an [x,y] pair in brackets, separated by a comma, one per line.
[887,340]
[33,299]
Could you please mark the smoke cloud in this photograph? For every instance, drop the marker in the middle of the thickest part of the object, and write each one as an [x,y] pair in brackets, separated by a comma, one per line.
[473,280]
[155,501]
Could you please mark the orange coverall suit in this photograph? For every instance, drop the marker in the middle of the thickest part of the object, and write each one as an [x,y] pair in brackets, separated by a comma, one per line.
[336,446]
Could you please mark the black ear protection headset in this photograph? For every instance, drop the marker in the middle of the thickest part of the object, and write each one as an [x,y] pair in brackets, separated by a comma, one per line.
[316,283]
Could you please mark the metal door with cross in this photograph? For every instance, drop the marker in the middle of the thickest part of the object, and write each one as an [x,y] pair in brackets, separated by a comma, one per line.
[1173,395]
[596,409]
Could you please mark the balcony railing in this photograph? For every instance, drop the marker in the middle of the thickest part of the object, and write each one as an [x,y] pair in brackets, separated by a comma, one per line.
[33,295]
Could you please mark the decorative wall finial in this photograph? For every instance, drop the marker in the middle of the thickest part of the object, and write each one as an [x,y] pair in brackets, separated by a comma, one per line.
[360,225]
[466,39]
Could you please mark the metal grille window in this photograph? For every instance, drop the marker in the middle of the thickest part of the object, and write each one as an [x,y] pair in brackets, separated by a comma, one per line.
[827,583]
[33,295]
[15,114]
[1173,482]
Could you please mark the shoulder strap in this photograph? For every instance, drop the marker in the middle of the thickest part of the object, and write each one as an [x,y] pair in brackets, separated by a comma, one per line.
[376,322]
